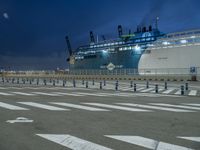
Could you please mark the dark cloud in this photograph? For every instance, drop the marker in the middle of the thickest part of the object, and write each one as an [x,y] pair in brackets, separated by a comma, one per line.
[36,29]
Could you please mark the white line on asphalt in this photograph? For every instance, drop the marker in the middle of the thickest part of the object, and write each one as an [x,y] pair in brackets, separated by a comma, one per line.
[168,91]
[72,142]
[193,93]
[177,106]
[118,107]
[80,106]
[92,94]
[21,93]
[2,88]
[11,107]
[154,107]
[147,143]
[47,94]
[195,139]
[68,94]
[198,105]
[139,89]
[147,90]
[178,92]
[48,107]
[6,94]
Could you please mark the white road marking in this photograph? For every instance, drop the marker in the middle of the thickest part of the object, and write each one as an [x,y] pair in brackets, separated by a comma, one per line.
[195,139]
[68,94]
[72,142]
[168,91]
[177,106]
[118,107]
[178,92]
[198,105]
[47,94]
[79,106]
[6,94]
[2,88]
[147,143]
[154,107]
[21,93]
[139,89]
[20,120]
[92,94]
[126,89]
[147,90]
[193,93]
[11,107]
[48,107]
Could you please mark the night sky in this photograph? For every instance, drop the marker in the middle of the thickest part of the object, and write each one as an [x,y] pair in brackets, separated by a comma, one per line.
[32,32]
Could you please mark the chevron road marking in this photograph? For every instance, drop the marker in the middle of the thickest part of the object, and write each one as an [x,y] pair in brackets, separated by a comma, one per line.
[193,93]
[47,94]
[198,105]
[6,94]
[21,93]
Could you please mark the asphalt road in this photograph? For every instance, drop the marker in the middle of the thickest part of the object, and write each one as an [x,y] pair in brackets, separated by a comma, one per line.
[62,118]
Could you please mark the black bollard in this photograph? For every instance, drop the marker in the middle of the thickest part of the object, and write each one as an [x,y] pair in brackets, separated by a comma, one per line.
[74,83]
[104,82]
[37,81]
[100,85]
[17,80]
[156,88]
[57,81]
[54,82]
[86,84]
[147,84]
[165,85]
[186,86]
[83,82]
[182,90]
[135,87]
[24,81]
[45,82]
[92,82]
[116,85]
[131,84]
[63,83]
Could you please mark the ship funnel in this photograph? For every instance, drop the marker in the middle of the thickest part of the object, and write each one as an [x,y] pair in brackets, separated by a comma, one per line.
[68,45]
[92,40]
[150,28]
[144,29]
[120,32]
[103,38]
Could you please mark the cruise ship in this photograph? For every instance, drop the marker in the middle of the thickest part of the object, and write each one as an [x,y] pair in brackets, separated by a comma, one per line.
[146,51]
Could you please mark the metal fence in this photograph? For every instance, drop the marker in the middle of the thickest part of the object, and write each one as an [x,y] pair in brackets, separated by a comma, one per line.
[156,72]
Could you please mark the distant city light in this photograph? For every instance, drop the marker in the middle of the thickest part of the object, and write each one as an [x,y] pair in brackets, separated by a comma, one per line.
[104,51]
[5,15]
[137,48]
[183,41]
[165,43]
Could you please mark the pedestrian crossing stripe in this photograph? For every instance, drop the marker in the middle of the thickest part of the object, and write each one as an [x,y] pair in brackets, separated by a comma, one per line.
[194,139]
[11,107]
[147,142]
[43,106]
[155,107]
[73,142]
[177,106]
[79,106]
[118,107]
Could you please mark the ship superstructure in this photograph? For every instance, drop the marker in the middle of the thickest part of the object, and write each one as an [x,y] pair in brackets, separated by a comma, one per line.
[145,50]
